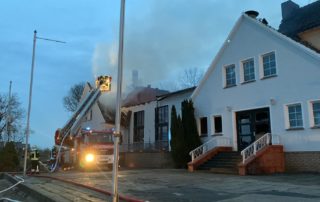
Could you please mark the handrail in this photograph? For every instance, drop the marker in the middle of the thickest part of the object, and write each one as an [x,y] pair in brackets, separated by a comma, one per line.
[209,145]
[256,146]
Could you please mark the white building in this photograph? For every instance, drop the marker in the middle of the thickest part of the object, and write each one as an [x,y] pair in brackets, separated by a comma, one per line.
[262,81]
[150,120]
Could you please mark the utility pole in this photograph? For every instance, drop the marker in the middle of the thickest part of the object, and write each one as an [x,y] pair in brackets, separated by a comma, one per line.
[30,96]
[117,133]
[8,117]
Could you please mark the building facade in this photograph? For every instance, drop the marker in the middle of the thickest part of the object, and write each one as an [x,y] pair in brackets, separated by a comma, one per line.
[261,81]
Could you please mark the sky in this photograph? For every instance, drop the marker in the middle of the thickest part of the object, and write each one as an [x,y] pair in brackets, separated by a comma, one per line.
[162,38]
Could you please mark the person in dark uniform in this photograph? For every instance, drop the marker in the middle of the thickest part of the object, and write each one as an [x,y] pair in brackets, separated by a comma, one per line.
[34,157]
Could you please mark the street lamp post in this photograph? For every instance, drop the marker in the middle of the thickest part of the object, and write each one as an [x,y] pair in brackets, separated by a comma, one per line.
[115,197]
[30,96]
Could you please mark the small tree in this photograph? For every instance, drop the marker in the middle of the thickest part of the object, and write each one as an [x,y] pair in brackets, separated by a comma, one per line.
[190,77]
[190,126]
[184,134]
[177,142]
[72,99]
[9,160]
[11,115]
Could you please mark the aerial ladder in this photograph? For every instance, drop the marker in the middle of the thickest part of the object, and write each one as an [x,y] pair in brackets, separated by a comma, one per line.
[63,137]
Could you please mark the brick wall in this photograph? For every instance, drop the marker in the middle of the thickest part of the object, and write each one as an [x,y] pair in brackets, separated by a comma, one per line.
[267,161]
[146,160]
[302,161]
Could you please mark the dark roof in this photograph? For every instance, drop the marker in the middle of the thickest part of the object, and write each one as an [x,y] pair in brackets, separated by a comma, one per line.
[300,20]
[164,96]
[142,95]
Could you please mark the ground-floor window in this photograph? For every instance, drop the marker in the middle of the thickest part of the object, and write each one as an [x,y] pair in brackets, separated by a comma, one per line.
[162,123]
[315,113]
[295,119]
[203,126]
[138,129]
[217,123]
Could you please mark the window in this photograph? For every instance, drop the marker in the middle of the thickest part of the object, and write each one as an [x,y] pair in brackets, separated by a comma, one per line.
[203,126]
[138,130]
[162,127]
[248,70]
[269,64]
[89,116]
[217,124]
[230,75]
[295,116]
[316,113]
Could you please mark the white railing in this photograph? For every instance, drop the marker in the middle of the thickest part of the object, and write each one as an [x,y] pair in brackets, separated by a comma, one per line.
[209,145]
[256,146]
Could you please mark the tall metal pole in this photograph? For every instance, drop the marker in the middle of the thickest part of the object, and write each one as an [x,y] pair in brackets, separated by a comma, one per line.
[9,113]
[115,196]
[29,105]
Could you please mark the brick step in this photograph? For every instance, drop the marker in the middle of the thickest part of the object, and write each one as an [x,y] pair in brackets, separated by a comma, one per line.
[222,163]
[224,171]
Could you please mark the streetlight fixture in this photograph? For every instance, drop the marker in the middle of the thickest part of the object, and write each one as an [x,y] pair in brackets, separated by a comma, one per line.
[30,96]
[117,134]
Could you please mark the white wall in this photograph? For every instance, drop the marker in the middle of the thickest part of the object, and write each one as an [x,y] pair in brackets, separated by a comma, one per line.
[297,80]
[174,100]
[149,121]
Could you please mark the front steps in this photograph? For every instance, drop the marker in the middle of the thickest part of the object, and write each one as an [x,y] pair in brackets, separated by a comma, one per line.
[223,162]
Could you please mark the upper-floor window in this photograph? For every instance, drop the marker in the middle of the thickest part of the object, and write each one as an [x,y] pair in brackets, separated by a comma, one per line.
[295,116]
[248,70]
[230,72]
[316,113]
[269,64]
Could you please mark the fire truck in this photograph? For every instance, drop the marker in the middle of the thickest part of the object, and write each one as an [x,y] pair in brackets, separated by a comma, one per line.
[84,148]
[94,149]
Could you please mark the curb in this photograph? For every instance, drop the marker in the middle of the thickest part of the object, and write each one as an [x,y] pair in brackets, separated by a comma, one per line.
[125,198]
[27,189]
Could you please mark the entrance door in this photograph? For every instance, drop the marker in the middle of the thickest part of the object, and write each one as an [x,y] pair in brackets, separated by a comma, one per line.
[251,125]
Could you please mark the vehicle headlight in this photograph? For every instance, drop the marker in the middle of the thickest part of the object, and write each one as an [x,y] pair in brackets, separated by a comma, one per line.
[89,158]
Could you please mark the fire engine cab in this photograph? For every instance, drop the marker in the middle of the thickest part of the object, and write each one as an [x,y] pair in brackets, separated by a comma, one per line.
[94,149]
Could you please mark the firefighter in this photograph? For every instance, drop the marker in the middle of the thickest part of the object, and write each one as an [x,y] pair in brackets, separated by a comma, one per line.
[34,157]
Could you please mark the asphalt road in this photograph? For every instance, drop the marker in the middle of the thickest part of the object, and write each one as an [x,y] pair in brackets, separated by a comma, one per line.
[180,185]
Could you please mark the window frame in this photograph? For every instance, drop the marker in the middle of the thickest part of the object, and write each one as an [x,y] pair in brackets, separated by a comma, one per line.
[203,133]
[242,70]
[311,113]
[261,64]
[161,121]
[226,85]
[137,128]
[287,117]
[214,125]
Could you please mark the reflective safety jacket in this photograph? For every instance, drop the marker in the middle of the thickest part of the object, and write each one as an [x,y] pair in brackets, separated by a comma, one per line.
[34,155]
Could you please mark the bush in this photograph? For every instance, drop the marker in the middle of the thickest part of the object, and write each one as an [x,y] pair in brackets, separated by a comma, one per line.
[9,159]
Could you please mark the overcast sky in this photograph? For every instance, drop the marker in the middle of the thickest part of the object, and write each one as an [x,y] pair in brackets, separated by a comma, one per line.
[162,38]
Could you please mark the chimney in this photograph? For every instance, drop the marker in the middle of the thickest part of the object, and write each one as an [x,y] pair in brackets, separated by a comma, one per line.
[135,78]
[252,13]
[288,8]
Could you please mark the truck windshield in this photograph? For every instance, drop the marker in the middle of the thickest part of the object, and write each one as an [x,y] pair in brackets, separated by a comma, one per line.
[100,138]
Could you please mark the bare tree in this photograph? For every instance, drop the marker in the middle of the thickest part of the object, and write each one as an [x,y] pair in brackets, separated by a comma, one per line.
[71,101]
[11,116]
[190,77]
